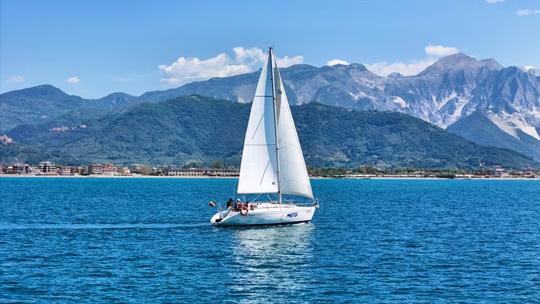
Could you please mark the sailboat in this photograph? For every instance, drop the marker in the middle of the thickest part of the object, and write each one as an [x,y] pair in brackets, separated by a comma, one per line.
[272,161]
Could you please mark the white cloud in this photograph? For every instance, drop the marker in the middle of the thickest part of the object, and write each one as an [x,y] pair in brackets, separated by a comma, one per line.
[494,1]
[527,12]
[433,52]
[287,61]
[440,50]
[336,61]
[188,69]
[17,79]
[73,80]
[528,67]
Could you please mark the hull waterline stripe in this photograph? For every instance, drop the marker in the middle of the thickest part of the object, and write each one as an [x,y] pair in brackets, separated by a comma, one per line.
[273,224]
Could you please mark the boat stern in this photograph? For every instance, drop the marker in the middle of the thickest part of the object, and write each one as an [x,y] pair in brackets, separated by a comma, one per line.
[218,217]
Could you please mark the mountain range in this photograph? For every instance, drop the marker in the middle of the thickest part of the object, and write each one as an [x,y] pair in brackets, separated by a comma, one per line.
[202,129]
[445,94]
[479,100]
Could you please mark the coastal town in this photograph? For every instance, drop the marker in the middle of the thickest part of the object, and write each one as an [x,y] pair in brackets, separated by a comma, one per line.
[50,169]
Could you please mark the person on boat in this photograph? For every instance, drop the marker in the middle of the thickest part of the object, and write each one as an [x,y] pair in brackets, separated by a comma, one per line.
[230,203]
[238,204]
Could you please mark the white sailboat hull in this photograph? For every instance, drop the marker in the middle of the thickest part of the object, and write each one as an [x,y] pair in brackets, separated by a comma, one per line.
[265,214]
[272,159]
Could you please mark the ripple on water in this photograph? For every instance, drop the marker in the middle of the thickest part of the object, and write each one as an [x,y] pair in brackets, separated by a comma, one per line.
[371,241]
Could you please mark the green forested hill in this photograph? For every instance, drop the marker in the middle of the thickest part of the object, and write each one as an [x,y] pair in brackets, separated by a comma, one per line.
[44,103]
[195,128]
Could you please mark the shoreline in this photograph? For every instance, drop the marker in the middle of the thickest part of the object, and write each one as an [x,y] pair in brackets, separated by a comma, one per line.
[236,177]
[110,176]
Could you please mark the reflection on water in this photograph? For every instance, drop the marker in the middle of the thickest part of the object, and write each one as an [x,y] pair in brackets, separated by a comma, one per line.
[272,259]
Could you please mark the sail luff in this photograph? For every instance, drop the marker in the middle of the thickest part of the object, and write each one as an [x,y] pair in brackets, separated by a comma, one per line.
[272,64]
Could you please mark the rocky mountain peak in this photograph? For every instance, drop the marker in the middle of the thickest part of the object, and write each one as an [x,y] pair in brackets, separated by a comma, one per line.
[357,66]
[491,64]
[395,75]
[460,61]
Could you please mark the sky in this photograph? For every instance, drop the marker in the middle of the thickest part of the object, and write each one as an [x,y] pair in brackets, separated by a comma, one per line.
[93,48]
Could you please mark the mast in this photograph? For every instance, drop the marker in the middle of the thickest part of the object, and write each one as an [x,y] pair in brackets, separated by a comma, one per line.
[271,57]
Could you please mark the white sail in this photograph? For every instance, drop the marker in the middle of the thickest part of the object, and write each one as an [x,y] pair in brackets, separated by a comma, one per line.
[293,176]
[272,160]
[267,167]
[259,168]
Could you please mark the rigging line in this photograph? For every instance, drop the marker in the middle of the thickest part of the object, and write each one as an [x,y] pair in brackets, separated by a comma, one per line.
[264,173]
[257,128]
[256,197]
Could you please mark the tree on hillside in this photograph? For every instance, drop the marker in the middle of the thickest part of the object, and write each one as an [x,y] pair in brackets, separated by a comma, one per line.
[217,164]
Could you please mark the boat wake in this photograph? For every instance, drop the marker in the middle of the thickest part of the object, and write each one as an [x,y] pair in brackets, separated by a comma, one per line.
[99,226]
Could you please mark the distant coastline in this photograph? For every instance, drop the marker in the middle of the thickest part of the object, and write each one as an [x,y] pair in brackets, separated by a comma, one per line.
[110,176]
[99,170]
[379,177]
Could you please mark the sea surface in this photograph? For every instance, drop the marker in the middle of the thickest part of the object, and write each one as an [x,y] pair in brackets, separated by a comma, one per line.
[149,241]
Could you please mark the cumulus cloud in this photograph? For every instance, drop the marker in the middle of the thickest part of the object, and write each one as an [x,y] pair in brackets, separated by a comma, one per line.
[336,61]
[17,79]
[440,50]
[73,80]
[433,52]
[287,61]
[494,1]
[244,60]
[527,12]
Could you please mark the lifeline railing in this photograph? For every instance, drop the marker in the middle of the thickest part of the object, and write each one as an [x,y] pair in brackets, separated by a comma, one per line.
[314,202]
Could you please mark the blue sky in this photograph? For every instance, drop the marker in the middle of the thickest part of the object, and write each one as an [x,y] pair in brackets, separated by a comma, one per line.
[92,48]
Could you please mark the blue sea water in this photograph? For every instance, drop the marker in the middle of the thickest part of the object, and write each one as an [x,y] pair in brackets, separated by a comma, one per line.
[149,241]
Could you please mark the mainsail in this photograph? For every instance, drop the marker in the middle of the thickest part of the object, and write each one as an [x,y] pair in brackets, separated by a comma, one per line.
[259,168]
[270,165]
